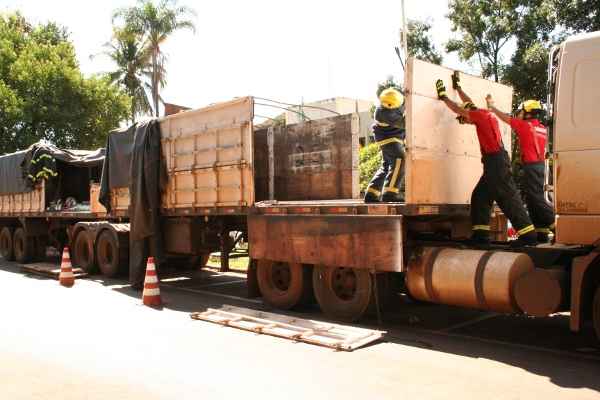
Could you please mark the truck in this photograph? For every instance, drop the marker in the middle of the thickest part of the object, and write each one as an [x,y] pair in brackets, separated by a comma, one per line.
[293,192]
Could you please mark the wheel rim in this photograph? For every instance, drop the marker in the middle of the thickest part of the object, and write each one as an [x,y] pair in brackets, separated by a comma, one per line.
[83,251]
[281,276]
[343,283]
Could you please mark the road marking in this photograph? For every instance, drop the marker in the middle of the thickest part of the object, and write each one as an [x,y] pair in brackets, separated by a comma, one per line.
[469,322]
[222,283]
[209,293]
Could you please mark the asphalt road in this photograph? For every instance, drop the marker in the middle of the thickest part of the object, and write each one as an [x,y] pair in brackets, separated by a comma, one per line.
[96,341]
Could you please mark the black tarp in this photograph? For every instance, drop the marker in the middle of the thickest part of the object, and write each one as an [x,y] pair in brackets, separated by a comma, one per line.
[14,167]
[133,160]
[117,165]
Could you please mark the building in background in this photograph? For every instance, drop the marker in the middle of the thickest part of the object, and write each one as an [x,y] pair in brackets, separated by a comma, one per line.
[332,107]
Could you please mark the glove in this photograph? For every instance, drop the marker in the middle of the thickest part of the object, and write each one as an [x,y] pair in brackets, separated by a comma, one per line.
[455,81]
[441,89]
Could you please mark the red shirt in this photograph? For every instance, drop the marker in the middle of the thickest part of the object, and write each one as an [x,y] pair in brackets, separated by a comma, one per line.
[488,131]
[532,139]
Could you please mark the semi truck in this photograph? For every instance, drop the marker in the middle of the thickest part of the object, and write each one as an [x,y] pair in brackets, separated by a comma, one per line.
[293,191]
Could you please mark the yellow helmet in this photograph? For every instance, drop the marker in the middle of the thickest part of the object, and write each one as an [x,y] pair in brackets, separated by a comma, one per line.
[531,105]
[391,98]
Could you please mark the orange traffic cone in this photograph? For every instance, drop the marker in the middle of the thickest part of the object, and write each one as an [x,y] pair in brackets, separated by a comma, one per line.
[151,294]
[66,277]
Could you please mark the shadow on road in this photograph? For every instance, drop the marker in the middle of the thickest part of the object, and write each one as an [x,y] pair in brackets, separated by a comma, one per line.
[530,344]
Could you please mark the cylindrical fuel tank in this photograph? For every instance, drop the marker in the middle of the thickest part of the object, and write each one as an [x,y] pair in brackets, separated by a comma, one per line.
[468,278]
[541,292]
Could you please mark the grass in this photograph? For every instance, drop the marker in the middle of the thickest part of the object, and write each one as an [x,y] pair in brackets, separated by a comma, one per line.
[238,260]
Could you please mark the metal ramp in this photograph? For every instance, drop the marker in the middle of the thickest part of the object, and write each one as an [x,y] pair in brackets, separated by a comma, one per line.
[338,337]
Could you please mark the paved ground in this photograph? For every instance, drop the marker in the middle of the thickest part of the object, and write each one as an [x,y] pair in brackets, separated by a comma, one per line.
[95,341]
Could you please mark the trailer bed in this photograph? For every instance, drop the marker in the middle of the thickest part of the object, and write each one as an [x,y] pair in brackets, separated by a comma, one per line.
[356,207]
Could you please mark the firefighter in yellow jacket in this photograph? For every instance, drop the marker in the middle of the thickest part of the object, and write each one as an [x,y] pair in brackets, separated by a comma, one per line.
[389,131]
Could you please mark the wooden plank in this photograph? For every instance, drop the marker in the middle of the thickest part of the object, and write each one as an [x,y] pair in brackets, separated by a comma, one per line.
[50,270]
[336,336]
[443,158]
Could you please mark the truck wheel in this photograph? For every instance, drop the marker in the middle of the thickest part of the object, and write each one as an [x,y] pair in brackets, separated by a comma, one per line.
[342,293]
[596,316]
[83,252]
[108,254]
[6,244]
[283,285]
[24,247]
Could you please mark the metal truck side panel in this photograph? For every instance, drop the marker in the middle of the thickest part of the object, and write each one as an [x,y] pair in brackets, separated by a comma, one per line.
[443,160]
[576,106]
[577,186]
[22,203]
[364,242]
[209,157]
[577,229]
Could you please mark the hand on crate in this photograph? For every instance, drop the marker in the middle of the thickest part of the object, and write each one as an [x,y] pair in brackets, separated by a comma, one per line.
[441,89]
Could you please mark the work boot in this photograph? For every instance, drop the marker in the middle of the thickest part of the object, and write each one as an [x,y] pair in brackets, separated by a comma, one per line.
[479,238]
[528,239]
[390,197]
[371,198]
[542,237]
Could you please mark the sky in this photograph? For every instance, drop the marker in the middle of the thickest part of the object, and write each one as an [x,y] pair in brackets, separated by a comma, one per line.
[285,50]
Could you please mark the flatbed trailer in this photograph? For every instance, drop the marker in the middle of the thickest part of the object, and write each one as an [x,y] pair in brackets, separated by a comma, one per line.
[283,187]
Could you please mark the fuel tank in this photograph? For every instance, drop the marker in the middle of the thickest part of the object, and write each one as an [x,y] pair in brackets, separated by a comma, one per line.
[468,278]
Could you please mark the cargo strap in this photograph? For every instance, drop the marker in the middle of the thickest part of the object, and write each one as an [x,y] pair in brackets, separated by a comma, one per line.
[428,272]
[479,292]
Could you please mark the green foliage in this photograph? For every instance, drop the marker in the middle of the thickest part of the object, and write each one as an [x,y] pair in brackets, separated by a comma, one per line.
[154,22]
[419,42]
[43,94]
[485,27]
[133,71]
[389,82]
[579,15]
[369,161]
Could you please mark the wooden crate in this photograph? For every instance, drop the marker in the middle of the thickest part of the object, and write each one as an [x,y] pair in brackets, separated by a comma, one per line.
[443,157]
[26,202]
[314,160]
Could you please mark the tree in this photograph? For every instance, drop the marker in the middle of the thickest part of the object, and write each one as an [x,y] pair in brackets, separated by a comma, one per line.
[43,94]
[156,22]
[133,69]
[419,42]
[369,161]
[485,27]
[579,15]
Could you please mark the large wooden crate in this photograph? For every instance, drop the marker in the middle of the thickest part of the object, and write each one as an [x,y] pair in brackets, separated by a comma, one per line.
[209,159]
[443,157]
[26,202]
[314,160]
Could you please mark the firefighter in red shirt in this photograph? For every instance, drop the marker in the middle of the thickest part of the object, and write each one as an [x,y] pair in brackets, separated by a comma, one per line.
[532,140]
[496,183]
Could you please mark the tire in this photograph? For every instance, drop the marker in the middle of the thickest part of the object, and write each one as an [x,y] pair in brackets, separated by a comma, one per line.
[24,247]
[343,293]
[109,255]
[83,252]
[596,313]
[284,285]
[6,244]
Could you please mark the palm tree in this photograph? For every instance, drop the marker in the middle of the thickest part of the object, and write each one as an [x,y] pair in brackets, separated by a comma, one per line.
[156,22]
[133,68]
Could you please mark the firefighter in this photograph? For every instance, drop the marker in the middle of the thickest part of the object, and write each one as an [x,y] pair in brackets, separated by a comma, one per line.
[532,141]
[389,134]
[496,183]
